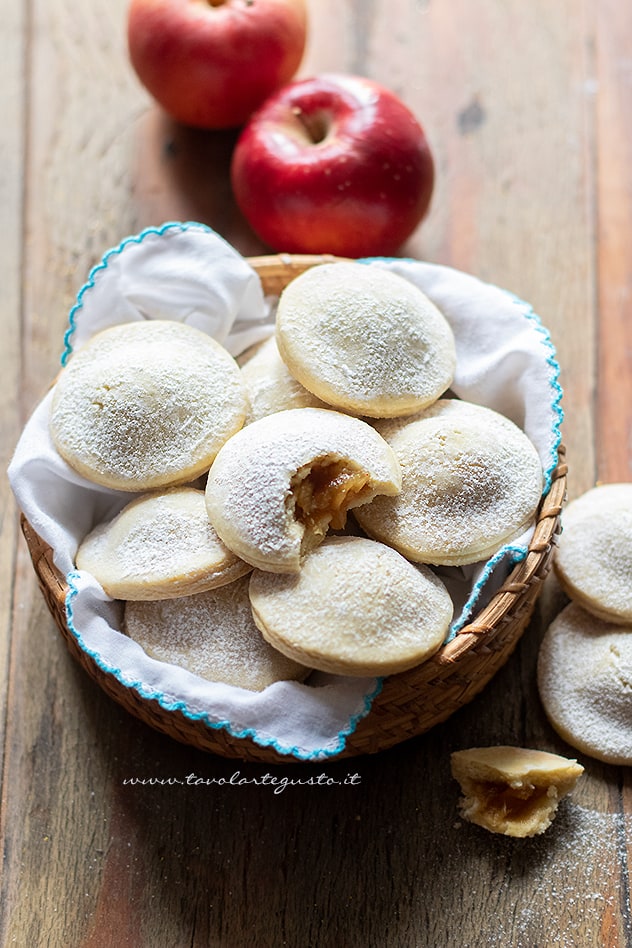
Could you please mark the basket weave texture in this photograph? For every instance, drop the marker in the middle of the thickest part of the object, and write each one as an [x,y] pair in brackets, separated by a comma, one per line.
[409,703]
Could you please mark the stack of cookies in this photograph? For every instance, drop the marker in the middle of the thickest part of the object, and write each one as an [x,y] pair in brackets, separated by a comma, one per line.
[235,557]
[585,660]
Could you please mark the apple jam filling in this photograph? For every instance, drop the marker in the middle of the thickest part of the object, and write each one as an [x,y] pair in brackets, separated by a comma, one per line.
[324,491]
[502,802]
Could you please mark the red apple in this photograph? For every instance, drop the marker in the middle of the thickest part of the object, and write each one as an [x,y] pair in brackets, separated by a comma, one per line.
[211,63]
[334,164]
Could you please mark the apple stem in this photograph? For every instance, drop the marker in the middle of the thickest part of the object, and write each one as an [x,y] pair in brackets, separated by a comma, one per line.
[316,126]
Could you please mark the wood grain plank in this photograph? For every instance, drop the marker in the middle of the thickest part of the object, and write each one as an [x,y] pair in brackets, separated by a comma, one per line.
[69,190]
[614,202]
[12,108]
[506,98]
[85,105]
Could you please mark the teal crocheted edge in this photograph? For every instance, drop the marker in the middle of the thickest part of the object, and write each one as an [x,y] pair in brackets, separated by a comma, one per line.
[179,226]
[515,555]
[554,381]
[170,705]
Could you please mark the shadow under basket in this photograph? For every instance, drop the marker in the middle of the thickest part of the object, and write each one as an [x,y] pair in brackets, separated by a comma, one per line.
[409,703]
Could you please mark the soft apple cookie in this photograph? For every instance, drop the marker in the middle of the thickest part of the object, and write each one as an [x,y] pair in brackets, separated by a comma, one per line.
[364,340]
[471,481]
[585,683]
[593,560]
[211,634]
[146,404]
[512,790]
[280,483]
[160,546]
[357,607]
[270,386]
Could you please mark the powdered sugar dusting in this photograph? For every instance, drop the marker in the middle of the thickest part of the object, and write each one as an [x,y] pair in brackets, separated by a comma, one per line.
[555,883]
[365,340]
[594,555]
[248,490]
[270,385]
[471,480]
[585,682]
[159,546]
[357,607]
[212,635]
[146,404]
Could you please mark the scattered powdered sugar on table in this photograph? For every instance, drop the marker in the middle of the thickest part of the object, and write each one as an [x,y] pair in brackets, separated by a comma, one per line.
[559,897]
[592,844]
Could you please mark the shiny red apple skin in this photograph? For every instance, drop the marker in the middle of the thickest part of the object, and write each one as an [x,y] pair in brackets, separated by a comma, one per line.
[360,191]
[211,63]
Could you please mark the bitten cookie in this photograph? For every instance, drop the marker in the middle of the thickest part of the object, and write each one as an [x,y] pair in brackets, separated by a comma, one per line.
[146,404]
[160,546]
[211,635]
[593,560]
[271,387]
[471,481]
[364,340]
[280,483]
[356,608]
[512,790]
[585,683]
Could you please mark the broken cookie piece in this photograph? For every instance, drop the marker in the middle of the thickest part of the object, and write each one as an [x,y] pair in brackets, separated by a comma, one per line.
[512,790]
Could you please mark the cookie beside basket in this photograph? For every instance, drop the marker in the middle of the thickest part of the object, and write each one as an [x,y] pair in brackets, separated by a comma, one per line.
[390,710]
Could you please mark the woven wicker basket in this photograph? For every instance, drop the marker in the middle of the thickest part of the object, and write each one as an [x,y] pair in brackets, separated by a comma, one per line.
[410,703]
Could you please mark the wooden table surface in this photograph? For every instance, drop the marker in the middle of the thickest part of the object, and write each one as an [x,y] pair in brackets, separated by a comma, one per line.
[528,107]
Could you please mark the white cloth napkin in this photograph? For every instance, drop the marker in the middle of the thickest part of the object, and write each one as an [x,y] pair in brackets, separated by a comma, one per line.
[184,271]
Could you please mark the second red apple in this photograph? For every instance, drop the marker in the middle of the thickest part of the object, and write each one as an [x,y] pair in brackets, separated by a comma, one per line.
[334,164]
[211,63]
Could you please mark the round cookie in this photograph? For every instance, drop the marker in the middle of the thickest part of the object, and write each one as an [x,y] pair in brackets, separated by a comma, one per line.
[593,559]
[211,635]
[146,404]
[270,386]
[278,485]
[471,481]
[364,340]
[160,546]
[584,679]
[356,608]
